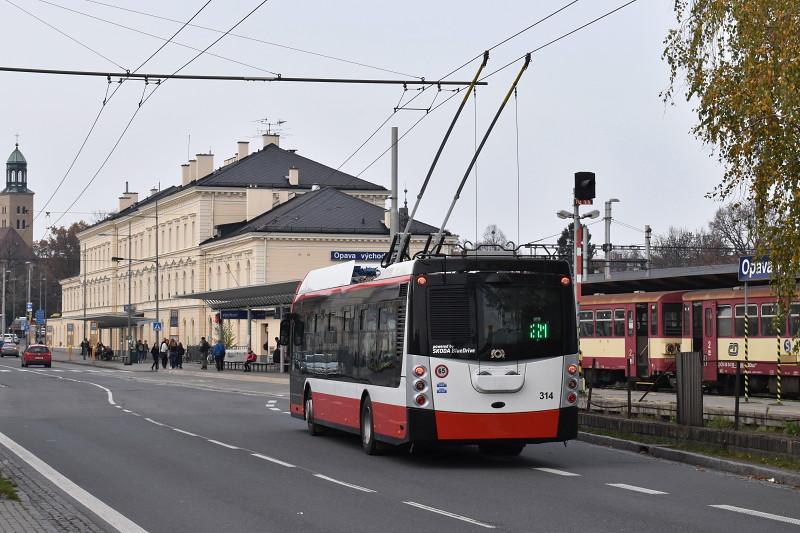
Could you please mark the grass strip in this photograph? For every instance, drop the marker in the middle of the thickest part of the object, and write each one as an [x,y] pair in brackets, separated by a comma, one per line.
[8,491]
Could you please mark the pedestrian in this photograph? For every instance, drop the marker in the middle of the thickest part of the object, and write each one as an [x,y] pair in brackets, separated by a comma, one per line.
[179,352]
[173,354]
[155,353]
[164,351]
[146,350]
[251,358]
[139,350]
[204,349]
[98,350]
[276,354]
[219,355]
[84,348]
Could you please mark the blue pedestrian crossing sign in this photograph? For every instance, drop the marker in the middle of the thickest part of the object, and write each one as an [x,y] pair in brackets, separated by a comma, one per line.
[156,326]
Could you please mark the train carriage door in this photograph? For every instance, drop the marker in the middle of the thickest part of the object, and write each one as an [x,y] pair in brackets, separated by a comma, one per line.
[630,338]
[709,348]
[697,327]
[642,357]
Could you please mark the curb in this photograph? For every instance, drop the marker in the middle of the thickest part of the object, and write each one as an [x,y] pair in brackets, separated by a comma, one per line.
[714,463]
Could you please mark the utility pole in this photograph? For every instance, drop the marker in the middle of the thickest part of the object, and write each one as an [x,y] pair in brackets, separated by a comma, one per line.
[130,333]
[647,232]
[4,298]
[158,317]
[607,243]
[28,301]
[85,265]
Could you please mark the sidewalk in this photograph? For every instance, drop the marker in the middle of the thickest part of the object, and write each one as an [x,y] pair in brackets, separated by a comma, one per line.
[191,369]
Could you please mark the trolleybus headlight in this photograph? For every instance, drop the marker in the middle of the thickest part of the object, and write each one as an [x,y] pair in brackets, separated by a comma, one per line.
[422,280]
[419,371]
[565,281]
[419,385]
[572,383]
[572,397]
[421,399]
[572,369]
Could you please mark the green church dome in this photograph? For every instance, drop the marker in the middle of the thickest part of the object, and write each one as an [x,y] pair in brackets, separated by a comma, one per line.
[16,157]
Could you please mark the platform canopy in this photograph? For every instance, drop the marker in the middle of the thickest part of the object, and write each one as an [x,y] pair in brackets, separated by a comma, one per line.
[114,320]
[252,296]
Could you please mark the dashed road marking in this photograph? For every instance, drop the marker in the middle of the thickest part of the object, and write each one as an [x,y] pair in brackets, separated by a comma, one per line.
[450,515]
[274,409]
[185,432]
[759,514]
[126,410]
[356,487]
[273,460]
[4,370]
[286,412]
[218,443]
[154,422]
[635,488]
[557,472]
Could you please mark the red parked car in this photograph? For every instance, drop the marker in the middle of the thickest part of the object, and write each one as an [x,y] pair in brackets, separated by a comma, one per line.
[37,354]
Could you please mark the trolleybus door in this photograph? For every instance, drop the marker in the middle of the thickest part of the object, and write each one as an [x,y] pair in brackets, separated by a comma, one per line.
[642,342]
[709,351]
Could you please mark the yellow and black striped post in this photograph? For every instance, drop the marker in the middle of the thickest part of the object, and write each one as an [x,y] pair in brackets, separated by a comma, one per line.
[778,373]
[746,349]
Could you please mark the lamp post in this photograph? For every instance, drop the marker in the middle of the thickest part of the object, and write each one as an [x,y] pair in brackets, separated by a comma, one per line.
[576,239]
[607,242]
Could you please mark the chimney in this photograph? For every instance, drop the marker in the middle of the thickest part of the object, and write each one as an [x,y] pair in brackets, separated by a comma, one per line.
[128,198]
[185,175]
[243,149]
[192,169]
[387,219]
[271,138]
[294,176]
[205,165]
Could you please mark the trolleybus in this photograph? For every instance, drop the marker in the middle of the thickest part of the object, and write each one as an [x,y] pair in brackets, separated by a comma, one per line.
[470,350]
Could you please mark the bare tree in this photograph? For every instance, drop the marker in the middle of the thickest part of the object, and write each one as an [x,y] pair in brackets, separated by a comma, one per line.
[681,247]
[493,237]
[735,225]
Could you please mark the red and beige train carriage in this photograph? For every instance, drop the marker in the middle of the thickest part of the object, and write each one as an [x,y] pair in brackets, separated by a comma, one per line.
[642,326]
[714,325]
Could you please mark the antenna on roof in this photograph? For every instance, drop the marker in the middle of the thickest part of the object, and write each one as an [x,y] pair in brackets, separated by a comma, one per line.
[270,128]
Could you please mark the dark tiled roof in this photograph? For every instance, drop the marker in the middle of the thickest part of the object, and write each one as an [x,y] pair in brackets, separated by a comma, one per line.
[326,210]
[269,167]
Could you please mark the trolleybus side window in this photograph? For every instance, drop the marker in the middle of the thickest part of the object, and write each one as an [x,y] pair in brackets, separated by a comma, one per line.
[768,329]
[671,315]
[752,319]
[653,320]
[603,324]
[619,322]
[724,326]
[794,319]
[385,365]
[587,324]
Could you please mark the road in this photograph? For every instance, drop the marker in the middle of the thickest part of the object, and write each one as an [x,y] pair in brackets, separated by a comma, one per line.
[172,452]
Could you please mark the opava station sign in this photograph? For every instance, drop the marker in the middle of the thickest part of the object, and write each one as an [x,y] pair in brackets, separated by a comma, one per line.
[754,268]
[371,257]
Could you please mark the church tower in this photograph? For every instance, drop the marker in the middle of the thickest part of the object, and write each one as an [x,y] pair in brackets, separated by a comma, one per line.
[16,200]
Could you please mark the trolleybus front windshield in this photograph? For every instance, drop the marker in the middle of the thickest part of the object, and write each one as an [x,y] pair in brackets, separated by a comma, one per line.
[500,321]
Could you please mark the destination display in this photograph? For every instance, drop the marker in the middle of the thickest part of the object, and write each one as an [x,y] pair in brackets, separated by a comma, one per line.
[375,257]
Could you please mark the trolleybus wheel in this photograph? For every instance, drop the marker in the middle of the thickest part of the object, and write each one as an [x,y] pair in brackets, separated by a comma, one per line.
[368,443]
[313,428]
[501,449]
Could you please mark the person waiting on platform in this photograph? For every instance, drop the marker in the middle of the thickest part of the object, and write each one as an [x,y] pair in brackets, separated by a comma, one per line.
[251,358]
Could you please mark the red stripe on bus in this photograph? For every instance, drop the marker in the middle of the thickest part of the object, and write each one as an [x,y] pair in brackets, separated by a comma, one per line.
[388,419]
[359,286]
[468,426]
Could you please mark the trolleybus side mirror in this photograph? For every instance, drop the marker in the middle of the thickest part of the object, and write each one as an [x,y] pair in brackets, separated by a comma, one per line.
[283,340]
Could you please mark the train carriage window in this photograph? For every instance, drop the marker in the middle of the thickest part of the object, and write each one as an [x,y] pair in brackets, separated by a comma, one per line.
[586,323]
[724,326]
[794,319]
[603,325]
[752,320]
[768,329]
[619,322]
[653,320]
[630,323]
[671,315]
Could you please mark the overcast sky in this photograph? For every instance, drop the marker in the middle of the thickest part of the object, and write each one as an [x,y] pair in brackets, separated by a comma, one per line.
[588,102]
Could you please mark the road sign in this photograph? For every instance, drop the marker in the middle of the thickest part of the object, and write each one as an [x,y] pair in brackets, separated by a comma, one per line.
[40,316]
[129,308]
[754,268]
[29,307]
[156,326]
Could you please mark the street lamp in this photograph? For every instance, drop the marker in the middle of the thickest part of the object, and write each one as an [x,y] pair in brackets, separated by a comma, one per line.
[576,238]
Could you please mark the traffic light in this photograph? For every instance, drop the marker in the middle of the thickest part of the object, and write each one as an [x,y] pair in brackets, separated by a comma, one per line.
[584,186]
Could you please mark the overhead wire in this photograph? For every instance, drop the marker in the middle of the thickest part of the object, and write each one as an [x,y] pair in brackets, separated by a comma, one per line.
[629,226]
[139,107]
[106,100]
[65,34]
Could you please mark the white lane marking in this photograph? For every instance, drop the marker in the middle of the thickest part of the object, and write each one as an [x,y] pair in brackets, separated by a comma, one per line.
[118,406]
[154,422]
[635,488]
[126,410]
[77,371]
[136,414]
[185,432]
[759,514]
[55,370]
[271,401]
[218,443]
[273,460]
[108,514]
[557,472]
[449,514]
[357,487]
[286,412]
[4,370]
[274,409]
[108,391]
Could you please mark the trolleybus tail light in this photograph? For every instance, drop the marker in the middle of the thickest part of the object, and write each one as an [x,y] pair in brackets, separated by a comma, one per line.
[419,385]
[422,280]
[421,399]
[572,397]
[419,371]
[572,369]
[565,280]
[572,383]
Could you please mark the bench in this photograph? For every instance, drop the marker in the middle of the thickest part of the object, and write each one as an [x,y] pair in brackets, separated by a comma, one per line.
[256,367]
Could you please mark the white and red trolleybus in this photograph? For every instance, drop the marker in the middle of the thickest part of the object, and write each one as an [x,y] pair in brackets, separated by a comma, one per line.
[469,350]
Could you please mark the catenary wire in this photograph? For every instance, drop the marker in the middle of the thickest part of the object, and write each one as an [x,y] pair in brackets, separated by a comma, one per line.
[70,37]
[254,39]
[629,226]
[144,101]
[107,99]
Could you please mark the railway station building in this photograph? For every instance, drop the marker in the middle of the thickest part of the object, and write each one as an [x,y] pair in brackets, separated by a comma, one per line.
[241,236]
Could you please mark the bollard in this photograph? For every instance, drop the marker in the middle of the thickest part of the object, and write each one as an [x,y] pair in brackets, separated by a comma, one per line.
[778,372]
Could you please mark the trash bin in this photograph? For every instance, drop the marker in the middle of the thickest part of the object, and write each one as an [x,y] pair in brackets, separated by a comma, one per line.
[131,358]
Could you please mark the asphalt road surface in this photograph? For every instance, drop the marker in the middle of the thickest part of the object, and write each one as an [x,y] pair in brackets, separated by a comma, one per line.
[171,452]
